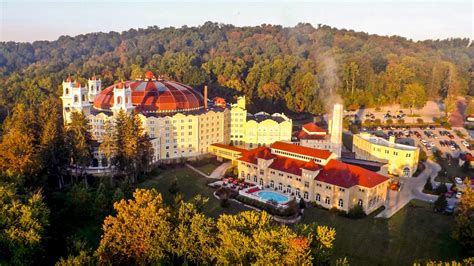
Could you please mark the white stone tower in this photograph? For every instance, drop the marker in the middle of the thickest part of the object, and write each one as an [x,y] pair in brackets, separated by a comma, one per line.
[74,99]
[95,87]
[336,129]
[122,98]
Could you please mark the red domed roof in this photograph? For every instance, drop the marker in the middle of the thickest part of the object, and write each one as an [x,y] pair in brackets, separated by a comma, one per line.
[154,96]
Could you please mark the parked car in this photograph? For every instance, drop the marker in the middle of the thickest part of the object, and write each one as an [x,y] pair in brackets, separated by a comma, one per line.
[449,194]
[465,143]
[458,180]
[449,209]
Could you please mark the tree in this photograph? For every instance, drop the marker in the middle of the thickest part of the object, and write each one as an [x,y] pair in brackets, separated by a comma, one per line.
[463,230]
[441,189]
[470,107]
[413,96]
[23,220]
[140,231]
[441,203]
[80,141]
[108,146]
[136,151]
[194,235]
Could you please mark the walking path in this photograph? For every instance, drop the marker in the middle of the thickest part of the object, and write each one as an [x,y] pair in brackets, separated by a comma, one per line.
[196,170]
[411,189]
[216,174]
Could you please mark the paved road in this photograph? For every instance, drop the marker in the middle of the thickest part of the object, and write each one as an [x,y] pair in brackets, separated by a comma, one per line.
[411,189]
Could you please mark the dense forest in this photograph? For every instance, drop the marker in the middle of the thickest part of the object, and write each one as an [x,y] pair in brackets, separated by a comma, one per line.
[277,68]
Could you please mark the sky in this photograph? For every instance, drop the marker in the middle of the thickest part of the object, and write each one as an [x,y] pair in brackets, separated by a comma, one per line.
[28,21]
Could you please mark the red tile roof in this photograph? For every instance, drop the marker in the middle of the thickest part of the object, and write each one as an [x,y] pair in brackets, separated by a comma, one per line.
[322,154]
[347,175]
[291,166]
[303,135]
[313,128]
[252,155]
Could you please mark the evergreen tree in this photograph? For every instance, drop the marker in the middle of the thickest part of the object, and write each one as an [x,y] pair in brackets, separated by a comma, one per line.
[80,141]
[441,203]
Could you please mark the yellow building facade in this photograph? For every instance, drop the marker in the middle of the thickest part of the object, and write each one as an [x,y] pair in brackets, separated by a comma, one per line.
[401,160]
[260,129]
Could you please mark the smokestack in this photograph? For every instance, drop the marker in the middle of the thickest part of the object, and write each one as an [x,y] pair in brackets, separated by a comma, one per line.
[205,97]
[336,129]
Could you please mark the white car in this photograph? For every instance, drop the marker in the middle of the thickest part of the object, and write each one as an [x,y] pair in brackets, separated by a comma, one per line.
[458,195]
[465,143]
[458,180]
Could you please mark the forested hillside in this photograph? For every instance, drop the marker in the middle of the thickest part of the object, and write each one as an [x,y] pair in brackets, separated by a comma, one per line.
[278,68]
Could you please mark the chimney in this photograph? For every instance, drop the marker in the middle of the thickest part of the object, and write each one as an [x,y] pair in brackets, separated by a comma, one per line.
[205,97]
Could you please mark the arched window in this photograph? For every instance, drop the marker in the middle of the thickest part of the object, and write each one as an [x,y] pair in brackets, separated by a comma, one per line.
[360,203]
[272,183]
[280,186]
[248,177]
[288,189]
[119,99]
[261,181]
[76,99]
[306,195]
[341,203]
[327,200]
[83,98]
[406,172]
[67,91]
[255,178]
[242,174]
[318,197]
[298,192]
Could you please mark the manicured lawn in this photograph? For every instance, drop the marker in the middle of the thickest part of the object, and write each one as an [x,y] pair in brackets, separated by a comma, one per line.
[414,233]
[207,168]
[190,184]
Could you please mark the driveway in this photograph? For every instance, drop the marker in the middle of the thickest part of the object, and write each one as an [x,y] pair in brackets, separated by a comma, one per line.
[220,170]
[411,189]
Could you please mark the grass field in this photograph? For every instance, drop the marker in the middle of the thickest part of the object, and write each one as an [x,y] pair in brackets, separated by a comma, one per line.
[207,168]
[414,233]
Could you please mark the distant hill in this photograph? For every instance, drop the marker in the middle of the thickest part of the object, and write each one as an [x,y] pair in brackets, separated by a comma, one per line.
[299,69]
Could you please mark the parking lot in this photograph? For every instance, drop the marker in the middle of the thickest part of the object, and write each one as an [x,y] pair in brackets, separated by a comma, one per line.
[427,138]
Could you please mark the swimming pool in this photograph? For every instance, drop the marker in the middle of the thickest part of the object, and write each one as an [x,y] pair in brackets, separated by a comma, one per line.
[269,195]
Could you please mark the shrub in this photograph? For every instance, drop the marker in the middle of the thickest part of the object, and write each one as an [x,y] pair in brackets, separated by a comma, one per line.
[224,202]
[441,203]
[401,121]
[420,121]
[377,121]
[428,186]
[389,121]
[356,212]
[355,129]
[367,123]
[441,189]
[423,157]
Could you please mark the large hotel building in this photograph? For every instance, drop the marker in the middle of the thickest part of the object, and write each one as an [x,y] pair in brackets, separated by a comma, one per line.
[180,121]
